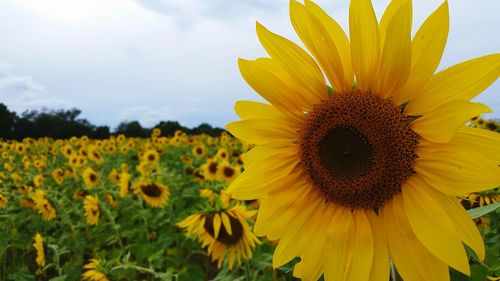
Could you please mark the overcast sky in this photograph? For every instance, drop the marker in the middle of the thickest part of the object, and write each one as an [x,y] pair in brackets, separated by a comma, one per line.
[152,60]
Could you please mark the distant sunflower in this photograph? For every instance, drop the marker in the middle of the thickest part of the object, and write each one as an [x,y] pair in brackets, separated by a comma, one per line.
[367,170]
[210,169]
[151,156]
[3,201]
[222,154]
[91,207]
[124,183]
[90,178]
[198,151]
[228,172]
[43,205]
[58,175]
[93,272]
[225,234]
[155,194]
[40,254]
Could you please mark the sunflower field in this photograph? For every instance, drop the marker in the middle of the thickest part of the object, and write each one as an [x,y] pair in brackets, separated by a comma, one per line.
[150,209]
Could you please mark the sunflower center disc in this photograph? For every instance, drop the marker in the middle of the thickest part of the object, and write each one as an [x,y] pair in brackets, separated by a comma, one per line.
[151,190]
[224,237]
[357,149]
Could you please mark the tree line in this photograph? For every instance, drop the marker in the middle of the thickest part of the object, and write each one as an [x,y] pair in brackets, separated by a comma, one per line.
[64,124]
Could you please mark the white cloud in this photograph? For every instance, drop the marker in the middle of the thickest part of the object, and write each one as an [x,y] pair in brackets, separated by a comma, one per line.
[21,93]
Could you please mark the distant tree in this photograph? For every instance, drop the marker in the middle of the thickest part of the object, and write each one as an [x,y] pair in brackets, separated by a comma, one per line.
[100,132]
[132,129]
[7,121]
[168,128]
[64,124]
[205,128]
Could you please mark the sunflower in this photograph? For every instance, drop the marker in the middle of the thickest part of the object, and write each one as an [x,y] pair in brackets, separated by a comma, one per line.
[43,205]
[58,175]
[38,180]
[124,182]
[227,172]
[155,194]
[223,231]
[90,178]
[210,169]
[151,156]
[93,271]
[3,201]
[222,154]
[91,207]
[156,132]
[199,151]
[40,254]
[366,169]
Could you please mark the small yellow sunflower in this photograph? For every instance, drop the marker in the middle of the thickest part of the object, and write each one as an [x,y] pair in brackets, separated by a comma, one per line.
[228,172]
[43,206]
[38,180]
[199,151]
[91,207]
[40,254]
[151,156]
[210,169]
[3,201]
[155,194]
[58,175]
[93,272]
[90,178]
[225,234]
[222,154]
[365,169]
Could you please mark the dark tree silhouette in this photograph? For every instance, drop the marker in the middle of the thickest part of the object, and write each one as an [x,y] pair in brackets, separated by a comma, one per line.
[64,124]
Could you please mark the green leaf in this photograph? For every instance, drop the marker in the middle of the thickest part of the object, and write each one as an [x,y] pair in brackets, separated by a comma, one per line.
[481,211]
[59,278]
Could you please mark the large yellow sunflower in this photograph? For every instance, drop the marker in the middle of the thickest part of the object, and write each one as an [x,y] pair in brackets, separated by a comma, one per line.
[367,170]
[225,234]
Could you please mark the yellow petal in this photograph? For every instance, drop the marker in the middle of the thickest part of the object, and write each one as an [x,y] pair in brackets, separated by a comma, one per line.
[341,230]
[441,124]
[227,223]
[455,169]
[262,154]
[270,80]
[296,62]
[289,224]
[339,38]
[261,131]
[363,249]
[253,109]
[427,50]
[314,253]
[464,225]
[463,81]
[365,46]
[432,226]
[380,269]
[483,141]
[412,260]
[325,51]
[283,210]
[389,13]
[256,183]
[217,224]
[396,54]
